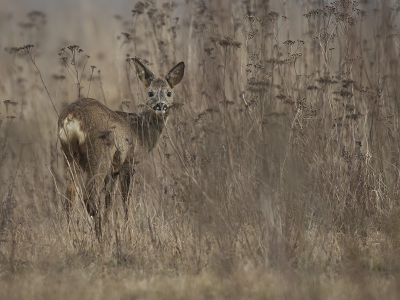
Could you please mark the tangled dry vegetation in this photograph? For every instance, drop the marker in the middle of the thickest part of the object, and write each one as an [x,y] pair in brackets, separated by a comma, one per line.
[277,176]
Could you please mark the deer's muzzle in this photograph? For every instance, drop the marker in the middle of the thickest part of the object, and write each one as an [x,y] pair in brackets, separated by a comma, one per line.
[160,107]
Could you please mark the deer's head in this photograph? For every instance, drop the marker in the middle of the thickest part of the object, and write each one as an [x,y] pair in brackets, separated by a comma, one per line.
[159,91]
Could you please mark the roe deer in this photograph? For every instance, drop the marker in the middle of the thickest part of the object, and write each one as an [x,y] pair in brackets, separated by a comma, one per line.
[106,144]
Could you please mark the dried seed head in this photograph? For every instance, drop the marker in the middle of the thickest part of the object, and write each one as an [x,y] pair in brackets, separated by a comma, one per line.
[251,19]
[208,50]
[226,42]
[139,8]
[257,85]
[271,17]
[251,34]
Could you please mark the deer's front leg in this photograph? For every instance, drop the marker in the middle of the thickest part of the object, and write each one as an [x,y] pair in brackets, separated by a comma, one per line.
[110,184]
[126,173]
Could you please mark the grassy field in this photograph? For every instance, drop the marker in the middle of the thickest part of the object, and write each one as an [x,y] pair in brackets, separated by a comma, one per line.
[278,174]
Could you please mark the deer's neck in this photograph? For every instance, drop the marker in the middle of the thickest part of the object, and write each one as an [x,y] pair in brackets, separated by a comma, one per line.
[153,125]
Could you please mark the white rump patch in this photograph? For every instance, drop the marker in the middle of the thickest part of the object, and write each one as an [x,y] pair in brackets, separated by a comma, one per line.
[71,129]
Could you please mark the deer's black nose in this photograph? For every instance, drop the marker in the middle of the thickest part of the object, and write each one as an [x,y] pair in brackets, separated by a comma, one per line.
[162,107]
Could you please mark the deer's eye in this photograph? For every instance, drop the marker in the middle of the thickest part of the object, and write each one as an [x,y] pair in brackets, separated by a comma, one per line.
[169,94]
[151,94]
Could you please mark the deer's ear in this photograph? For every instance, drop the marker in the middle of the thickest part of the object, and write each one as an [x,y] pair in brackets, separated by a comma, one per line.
[176,74]
[145,75]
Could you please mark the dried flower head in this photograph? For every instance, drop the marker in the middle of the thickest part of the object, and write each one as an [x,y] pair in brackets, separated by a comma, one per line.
[226,42]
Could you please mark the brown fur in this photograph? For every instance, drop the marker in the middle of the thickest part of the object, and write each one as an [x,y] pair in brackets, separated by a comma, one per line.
[106,144]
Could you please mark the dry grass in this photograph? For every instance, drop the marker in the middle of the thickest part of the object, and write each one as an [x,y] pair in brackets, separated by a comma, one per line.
[277,176]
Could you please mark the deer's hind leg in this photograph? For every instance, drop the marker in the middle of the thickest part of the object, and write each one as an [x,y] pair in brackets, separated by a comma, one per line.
[70,192]
[92,196]
[98,168]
